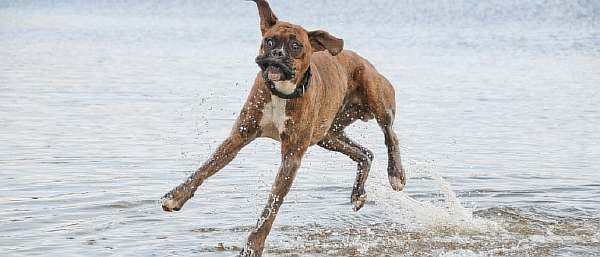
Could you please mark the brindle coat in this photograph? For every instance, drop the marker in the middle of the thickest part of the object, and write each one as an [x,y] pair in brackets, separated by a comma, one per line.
[344,87]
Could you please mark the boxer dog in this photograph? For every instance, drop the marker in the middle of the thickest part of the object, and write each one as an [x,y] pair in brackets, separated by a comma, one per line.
[307,91]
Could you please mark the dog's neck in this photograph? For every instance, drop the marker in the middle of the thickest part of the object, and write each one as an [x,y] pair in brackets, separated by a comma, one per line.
[287,90]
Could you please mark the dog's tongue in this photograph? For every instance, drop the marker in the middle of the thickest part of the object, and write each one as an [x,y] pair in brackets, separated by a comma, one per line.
[274,73]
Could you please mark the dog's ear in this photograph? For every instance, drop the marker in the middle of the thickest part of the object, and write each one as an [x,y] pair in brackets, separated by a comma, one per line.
[267,17]
[321,40]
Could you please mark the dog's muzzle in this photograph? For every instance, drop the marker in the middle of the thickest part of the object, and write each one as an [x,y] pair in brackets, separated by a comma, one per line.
[275,69]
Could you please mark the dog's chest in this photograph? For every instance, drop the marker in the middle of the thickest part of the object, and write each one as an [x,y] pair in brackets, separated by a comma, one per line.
[274,117]
[285,87]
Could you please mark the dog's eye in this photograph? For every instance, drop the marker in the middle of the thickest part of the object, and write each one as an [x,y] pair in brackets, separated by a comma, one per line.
[296,46]
[270,42]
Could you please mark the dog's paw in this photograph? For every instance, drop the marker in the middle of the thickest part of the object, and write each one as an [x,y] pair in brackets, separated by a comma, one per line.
[397,182]
[358,201]
[396,174]
[169,203]
[174,200]
[249,252]
[244,253]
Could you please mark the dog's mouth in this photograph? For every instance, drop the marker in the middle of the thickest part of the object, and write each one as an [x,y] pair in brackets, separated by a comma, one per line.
[275,69]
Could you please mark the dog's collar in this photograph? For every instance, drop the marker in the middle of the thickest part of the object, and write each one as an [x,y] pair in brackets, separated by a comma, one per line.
[298,92]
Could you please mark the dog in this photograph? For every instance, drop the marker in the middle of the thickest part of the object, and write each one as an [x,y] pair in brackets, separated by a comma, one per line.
[307,91]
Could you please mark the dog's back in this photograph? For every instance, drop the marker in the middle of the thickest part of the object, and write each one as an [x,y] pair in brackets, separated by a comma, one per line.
[308,91]
[361,86]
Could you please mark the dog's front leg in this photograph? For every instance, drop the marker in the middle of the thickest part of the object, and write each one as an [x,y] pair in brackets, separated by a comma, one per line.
[244,131]
[291,157]
[225,153]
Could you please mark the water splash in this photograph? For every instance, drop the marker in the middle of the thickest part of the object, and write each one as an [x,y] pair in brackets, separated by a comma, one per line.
[449,215]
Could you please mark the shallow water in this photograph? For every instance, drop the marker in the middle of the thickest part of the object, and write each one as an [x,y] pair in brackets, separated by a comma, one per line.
[105,106]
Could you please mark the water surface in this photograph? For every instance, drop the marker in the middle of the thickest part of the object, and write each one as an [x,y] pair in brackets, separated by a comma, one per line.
[105,106]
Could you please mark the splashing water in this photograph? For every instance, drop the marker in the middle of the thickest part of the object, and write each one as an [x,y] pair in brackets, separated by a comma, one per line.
[404,225]
[130,96]
[449,214]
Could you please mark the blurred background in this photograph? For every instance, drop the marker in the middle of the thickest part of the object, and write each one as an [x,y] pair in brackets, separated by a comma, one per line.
[106,105]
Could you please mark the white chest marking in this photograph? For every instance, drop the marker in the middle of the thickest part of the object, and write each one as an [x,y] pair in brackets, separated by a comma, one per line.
[274,114]
[286,86]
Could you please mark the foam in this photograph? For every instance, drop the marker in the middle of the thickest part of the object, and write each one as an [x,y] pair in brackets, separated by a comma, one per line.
[424,215]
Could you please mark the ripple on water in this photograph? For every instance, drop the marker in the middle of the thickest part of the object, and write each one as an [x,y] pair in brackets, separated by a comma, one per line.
[425,229]
[105,105]
[520,234]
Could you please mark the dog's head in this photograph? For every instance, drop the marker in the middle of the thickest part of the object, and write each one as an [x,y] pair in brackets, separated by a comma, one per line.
[286,48]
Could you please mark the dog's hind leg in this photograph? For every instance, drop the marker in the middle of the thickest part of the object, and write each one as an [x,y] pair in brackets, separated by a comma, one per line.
[339,142]
[396,175]
[381,100]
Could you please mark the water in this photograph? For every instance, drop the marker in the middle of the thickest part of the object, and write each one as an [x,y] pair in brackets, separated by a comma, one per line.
[105,106]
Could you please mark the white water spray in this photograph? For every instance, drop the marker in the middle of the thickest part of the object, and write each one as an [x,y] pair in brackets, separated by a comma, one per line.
[425,215]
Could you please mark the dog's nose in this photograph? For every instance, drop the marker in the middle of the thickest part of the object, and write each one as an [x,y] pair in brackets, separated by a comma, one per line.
[277,52]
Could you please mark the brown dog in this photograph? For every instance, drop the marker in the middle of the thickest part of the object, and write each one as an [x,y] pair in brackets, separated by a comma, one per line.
[307,92]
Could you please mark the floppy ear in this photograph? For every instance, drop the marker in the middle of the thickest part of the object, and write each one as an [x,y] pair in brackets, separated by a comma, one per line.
[267,17]
[321,40]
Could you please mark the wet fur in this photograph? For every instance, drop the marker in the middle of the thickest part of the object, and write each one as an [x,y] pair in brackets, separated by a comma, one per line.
[345,88]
